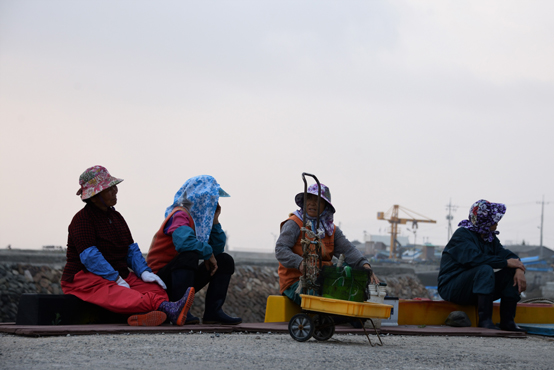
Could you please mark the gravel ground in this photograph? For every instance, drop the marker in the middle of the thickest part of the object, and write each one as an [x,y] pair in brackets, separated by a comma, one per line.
[271,351]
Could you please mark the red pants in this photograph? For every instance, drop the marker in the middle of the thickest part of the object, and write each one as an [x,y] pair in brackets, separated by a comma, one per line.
[141,297]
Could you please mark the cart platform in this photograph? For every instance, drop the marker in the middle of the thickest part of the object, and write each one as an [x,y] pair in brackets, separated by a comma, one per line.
[315,320]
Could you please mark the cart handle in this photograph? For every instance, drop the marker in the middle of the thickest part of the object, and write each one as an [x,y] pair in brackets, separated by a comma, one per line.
[304,174]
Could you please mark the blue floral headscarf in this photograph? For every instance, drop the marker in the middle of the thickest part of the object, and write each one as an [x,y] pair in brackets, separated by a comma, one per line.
[482,215]
[199,195]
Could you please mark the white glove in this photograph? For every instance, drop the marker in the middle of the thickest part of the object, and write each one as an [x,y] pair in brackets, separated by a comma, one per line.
[150,277]
[122,282]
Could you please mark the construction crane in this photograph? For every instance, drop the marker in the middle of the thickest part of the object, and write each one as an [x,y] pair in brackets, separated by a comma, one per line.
[394,220]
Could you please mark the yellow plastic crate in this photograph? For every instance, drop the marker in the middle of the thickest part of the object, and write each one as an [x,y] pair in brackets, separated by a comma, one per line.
[427,312]
[346,308]
[280,308]
[419,312]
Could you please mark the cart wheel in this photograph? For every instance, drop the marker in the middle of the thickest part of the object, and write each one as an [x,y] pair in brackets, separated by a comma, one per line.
[301,327]
[324,327]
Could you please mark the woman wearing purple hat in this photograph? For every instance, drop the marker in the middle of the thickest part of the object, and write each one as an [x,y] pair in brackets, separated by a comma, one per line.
[476,269]
[100,251]
[288,249]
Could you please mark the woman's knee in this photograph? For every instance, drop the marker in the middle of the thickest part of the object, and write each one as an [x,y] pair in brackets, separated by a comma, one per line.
[225,264]
[484,272]
[186,260]
[483,280]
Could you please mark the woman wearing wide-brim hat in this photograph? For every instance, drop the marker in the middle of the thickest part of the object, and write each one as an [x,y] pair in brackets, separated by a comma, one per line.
[288,249]
[100,251]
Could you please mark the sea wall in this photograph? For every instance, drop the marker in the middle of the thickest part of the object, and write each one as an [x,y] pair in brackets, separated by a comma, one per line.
[247,295]
[16,279]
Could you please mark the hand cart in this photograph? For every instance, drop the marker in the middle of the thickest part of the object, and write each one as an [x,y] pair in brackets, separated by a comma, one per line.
[315,320]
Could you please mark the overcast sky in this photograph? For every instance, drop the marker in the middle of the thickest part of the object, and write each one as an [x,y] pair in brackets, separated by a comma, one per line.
[402,102]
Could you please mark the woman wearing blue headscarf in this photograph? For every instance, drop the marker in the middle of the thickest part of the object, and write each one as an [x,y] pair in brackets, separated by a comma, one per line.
[476,268]
[191,233]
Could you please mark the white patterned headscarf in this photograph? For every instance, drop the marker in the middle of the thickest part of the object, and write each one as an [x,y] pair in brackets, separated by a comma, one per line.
[199,195]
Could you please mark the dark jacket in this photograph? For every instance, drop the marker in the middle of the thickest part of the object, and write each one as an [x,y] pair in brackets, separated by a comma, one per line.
[466,250]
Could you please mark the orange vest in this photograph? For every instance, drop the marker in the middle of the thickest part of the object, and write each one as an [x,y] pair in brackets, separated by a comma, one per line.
[289,276]
[162,250]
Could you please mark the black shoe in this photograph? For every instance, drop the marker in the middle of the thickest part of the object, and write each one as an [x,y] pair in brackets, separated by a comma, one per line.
[220,317]
[215,298]
[511,326]
[484,310]
[487,324]
[191,319]
[507,314]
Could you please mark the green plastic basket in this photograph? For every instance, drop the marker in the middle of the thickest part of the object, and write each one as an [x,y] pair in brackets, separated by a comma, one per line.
[344,283]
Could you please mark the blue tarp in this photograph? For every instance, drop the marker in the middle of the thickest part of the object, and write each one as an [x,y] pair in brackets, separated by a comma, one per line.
[539,329]
[536,264]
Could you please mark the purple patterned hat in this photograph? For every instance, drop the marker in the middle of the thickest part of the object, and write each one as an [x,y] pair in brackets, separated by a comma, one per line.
[94,180]
[325,194]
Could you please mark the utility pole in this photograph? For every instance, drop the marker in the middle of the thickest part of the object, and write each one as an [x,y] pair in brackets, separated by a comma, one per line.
[450,208]
[542,221]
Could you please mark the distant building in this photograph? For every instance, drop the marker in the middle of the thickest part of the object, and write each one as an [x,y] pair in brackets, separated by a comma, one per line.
[523,250]
[428,252]
[385,239]
[375,244]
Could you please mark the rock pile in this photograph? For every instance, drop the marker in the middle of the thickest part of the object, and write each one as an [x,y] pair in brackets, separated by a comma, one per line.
[16,279]
[405,287]
[247,295]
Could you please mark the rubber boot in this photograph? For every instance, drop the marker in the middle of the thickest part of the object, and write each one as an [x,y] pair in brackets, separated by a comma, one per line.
[484,309]
[181,280]
[215,297]
[507,315]
[177,311]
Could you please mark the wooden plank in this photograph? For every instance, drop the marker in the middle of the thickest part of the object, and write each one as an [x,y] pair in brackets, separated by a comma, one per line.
[274,327]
